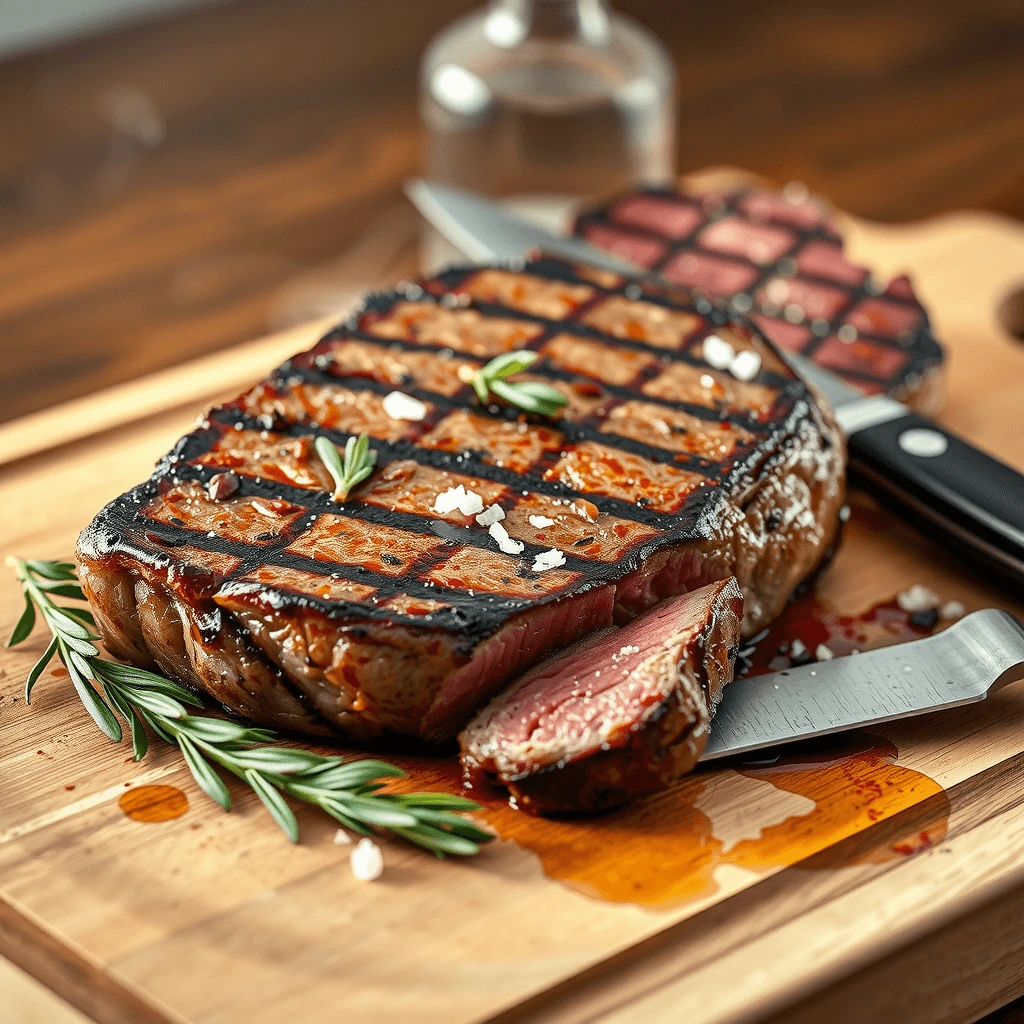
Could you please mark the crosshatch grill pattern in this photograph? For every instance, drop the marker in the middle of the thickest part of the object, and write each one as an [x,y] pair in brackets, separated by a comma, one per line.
[650,439]
[779,258]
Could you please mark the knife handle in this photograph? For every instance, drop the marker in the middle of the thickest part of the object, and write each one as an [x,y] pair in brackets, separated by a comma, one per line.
[952,490]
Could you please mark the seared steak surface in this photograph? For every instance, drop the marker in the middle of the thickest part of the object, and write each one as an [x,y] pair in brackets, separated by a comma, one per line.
[615,716]
[234,570]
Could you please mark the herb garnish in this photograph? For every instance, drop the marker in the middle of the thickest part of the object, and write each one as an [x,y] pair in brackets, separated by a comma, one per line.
[360,459]
[533,396]
[346,790]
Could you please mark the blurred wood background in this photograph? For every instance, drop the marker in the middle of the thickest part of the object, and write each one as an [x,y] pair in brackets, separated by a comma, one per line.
[190,183]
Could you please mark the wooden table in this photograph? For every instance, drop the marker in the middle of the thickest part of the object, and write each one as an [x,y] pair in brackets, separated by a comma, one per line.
[195,182]
[189,184]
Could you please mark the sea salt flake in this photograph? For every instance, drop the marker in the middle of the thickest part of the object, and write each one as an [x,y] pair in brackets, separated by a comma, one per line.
[342,838]
[585,509]
[746,365]
[504,541]
[400,406]
[366,861]
[952,610]
[797,649]
[917,599]
[469,503]
[490,515]
[823,653]
[548,560]
[541,521]
[718,352]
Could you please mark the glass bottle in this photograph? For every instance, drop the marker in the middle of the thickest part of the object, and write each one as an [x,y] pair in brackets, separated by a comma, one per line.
[546,104]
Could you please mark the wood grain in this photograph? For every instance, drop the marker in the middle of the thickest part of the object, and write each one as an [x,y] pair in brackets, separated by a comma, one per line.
[189,184]
[212,917]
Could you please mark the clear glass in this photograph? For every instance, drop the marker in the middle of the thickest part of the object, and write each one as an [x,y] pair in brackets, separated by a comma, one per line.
[547,103]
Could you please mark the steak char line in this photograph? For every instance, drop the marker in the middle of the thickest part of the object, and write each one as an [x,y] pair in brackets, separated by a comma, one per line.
[233,570]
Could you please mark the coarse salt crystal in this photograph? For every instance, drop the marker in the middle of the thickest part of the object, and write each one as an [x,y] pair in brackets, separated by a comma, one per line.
[746,365]
[342,838]
[541,521]
[718,352]
[585,509]
[822,653]
[366,860]
[952,610]
[917,599]
[469,503]
[548,560]
[263,509]
[797,649]
[491,514]
[844,513]
[400,406]
[504,541]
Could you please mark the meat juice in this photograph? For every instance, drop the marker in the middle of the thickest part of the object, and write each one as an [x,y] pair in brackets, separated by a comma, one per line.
[822,805]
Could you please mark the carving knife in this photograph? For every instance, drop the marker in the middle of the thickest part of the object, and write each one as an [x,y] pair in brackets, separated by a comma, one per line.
[961,665]
[966,499]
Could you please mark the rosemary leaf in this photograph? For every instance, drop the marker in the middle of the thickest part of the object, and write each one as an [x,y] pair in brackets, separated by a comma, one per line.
[355,773]
[82,614]
[376,811]
[93,702]
[437,840]
[531,396]
[206,778]
[37,669]
[358,463]
[140,742]
[53,570]
[24,625]
[275,803]
[278,760]
[439,801]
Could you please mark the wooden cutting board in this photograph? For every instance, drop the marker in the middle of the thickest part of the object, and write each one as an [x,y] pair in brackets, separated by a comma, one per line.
[881,878]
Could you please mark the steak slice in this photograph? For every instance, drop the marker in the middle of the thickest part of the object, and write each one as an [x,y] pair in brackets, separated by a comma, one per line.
[614,717]
[779,256]
[235,571]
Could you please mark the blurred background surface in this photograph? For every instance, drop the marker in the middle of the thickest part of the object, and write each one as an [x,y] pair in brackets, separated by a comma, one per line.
[178,178]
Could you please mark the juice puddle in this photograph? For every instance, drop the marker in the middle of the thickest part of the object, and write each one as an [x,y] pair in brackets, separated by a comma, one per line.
[152,804]
[807,806]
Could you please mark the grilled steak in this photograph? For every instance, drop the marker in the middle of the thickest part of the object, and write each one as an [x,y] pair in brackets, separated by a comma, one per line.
[780,257]
[616,716]
[234,570]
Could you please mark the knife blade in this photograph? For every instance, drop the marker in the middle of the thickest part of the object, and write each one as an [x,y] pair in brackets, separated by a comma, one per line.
[967,499]
[963,664]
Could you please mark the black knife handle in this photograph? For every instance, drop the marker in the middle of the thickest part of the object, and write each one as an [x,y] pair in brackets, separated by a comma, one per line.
[949,488]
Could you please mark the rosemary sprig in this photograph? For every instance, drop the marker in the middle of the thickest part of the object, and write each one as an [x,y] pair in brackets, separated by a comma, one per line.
[533,396]
[346,790]
[360,459]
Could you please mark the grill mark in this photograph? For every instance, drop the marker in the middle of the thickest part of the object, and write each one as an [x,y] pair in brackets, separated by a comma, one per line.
[574,430]
[716,318]
[385,586]
[320,503]
[728,474]
[463,464]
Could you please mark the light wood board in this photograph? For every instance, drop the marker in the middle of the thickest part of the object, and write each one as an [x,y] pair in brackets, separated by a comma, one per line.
[214,917]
